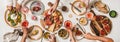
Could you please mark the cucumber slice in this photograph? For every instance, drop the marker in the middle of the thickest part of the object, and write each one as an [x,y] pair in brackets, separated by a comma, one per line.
[13,23]
[9,18]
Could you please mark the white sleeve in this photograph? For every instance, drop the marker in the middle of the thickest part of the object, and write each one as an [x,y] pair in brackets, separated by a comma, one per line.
[24,2]
[10,3]
[14,3]
[20,1]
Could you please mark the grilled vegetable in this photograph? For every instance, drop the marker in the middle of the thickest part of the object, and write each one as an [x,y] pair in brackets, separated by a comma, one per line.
[46,35]
[94,29]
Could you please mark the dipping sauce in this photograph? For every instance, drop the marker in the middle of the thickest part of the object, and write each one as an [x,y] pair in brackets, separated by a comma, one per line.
[89,15]
[83,21]
[68,24]
[64,9]
[113,13]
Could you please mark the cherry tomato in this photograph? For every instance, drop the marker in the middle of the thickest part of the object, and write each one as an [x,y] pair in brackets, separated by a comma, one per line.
[105,22]
[102,32]
[107,28]
[25,23]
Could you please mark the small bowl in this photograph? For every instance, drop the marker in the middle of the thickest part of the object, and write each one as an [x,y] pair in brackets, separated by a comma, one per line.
[37,7]
[61,32]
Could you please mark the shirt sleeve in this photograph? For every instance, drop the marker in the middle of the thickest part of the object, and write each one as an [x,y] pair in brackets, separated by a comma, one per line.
[20,1]
[10,3]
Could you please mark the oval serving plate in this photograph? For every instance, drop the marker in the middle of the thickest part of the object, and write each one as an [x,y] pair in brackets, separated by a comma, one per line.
[101,25]
[102,7]
[15,16]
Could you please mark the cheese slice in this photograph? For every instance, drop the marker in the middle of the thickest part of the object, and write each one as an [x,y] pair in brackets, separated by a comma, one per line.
[51,28]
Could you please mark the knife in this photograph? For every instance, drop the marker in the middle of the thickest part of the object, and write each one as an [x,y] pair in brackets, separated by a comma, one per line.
[81,28]
[75,7]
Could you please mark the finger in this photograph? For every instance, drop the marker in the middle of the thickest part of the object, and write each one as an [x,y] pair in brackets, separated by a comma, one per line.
[49,38]
[50,11]
[84,35]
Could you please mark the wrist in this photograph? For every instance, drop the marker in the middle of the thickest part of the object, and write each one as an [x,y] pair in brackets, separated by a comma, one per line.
[25,35]
[95,37]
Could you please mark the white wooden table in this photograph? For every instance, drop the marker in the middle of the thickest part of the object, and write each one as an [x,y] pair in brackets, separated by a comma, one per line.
[113,4]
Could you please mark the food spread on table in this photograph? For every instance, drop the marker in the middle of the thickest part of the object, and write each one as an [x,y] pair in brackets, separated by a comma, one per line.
[100,25]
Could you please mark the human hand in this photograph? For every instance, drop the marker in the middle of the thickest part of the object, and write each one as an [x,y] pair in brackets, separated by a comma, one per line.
[24,9]
[103,39]
[18,7]
[25,31]
[53,8]
[9,7]
[52,38]
[89,36]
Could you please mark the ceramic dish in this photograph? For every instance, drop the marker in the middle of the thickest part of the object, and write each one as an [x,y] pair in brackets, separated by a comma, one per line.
[113,13]
[102,7]
[79,7]
[79,31]
[83,21]
[46,35]
[37,7]
[89,15]
[14,18]
[68,24]
[35,33]
[52,22]
[63,33]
